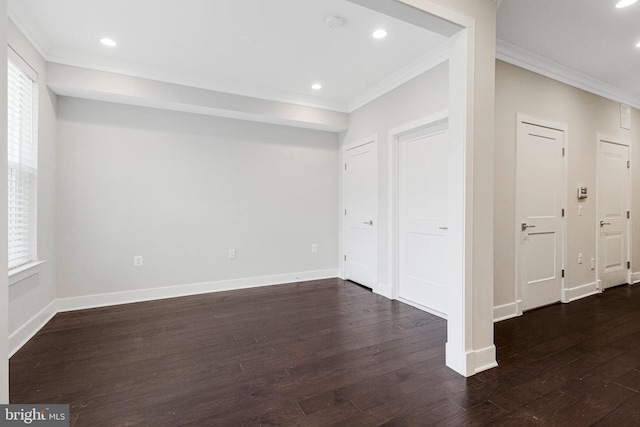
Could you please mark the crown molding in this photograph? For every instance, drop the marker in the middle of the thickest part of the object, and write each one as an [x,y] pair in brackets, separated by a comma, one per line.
[523,58]
[426,62]
[23,21]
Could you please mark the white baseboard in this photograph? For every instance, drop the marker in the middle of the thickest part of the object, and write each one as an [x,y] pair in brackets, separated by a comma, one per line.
[485,358]
[471,362]
[385,290]
[579,292]
[31,327]
[506,311]
[424,308]
[635,278]
[127,297]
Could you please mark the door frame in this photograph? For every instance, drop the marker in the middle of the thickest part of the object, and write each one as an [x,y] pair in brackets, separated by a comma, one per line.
[522,119]
[371,139]
[392,290]
[603,137]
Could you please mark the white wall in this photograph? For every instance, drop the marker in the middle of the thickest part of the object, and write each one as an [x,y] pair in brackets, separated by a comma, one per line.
[181,189]
[29,297]
[4,296]
[424,95]
[521,91]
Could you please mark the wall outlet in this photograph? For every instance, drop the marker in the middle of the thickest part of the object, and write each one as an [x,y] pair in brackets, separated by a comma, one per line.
[314,247]
[579,210]
[580,258]
[232,254]
[137,261]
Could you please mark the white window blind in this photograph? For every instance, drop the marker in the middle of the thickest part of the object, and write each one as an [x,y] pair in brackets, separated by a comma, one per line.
[23,166]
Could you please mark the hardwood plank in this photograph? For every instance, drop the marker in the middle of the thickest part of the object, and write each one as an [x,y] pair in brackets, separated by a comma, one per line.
[327,352]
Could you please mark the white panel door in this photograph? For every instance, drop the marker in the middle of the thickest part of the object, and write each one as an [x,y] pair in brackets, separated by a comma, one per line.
[539,205]
[361,205]
[422,218]
[613,181]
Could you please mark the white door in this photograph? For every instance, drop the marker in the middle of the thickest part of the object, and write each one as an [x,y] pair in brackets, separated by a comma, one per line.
[422,218]
[612,194]
[539,210]
[361,204]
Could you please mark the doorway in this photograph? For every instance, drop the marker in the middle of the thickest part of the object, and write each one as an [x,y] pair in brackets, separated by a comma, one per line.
[613,212]
[360,213]
[420,175]
[540,189]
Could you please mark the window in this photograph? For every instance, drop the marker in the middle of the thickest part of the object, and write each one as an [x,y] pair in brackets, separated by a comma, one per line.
[23,163]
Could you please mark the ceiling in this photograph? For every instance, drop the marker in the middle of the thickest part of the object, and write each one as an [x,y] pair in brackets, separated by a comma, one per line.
[591,38]
[277,49]
[272,49]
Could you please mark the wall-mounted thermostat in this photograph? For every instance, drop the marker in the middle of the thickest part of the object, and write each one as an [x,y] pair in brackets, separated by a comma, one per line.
[582,192]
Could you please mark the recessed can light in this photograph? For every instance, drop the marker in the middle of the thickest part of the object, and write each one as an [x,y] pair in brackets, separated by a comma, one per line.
[379,34]
[625,3]
[108,42]
[316,86]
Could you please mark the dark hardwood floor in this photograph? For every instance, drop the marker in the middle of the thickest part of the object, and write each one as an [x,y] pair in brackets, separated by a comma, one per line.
[330,353]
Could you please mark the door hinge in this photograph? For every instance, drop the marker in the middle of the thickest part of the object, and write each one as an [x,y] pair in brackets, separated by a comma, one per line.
[345,257]
[628,265]
[345,166]
[562,212]
[345,212]
[628,214]
[562,273]
[562,151]
[628,164]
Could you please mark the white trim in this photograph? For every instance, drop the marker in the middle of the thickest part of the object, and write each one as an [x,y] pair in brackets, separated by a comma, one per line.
[423,308]
[20,337]
[423,64]
[580,292]
[522,58]
[127,297]
[18,274]
[485,358]
[385,289]
[635,277]
[506,311]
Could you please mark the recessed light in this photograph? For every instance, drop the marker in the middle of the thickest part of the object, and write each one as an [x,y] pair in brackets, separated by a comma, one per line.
[316,86]
[108,42]
[625,3]
[379,34]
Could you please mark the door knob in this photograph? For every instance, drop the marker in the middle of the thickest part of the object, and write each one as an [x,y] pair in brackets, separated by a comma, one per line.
[602,223]
[370,222]
[525,226]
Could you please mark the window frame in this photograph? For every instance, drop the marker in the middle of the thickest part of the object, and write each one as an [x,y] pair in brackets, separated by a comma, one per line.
[31,260]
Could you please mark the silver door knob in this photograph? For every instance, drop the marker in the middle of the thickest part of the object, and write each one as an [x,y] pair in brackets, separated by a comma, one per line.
[370,222]
[602,223]
[443,228]
[525,226]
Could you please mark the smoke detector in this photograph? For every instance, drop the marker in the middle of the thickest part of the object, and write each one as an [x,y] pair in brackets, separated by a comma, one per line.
[335,21]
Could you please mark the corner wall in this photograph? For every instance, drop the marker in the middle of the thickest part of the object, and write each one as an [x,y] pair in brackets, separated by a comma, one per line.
[522,91]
